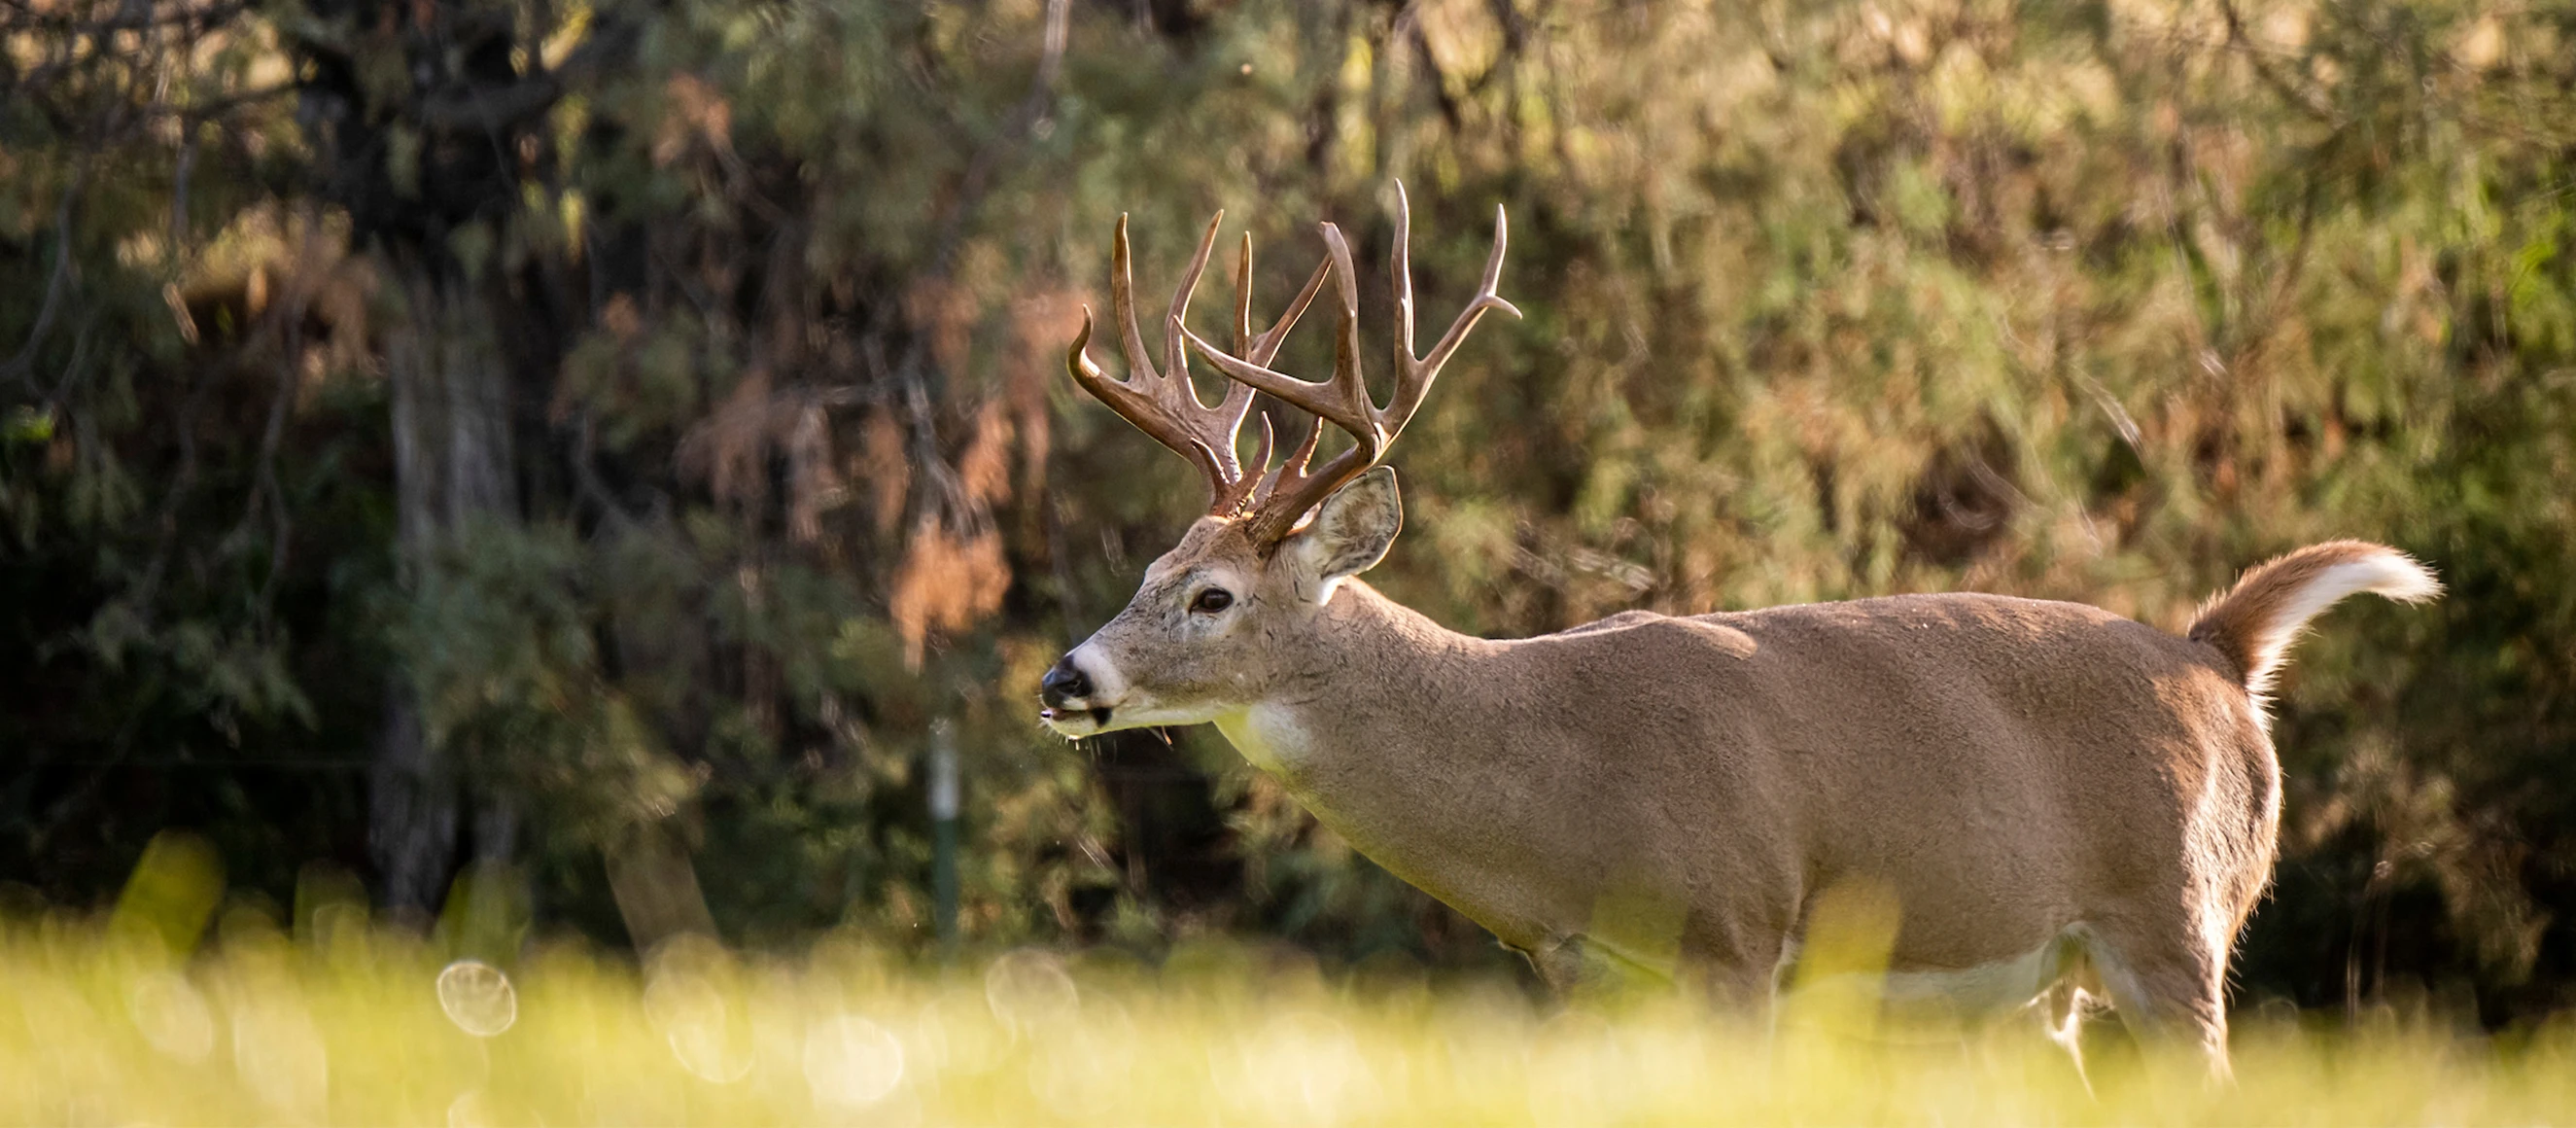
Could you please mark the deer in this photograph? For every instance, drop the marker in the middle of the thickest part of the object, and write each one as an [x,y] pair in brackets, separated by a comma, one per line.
[2070,808]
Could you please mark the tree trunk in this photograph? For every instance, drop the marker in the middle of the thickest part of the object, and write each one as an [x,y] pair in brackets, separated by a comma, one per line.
[453,467]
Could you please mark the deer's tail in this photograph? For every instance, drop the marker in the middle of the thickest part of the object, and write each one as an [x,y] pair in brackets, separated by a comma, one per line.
[2255,622]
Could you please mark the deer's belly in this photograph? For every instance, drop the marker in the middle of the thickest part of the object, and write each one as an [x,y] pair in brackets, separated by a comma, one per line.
[1978,991]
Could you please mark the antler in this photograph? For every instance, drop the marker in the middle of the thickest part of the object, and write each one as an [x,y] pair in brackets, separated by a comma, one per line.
[1287,492]
[1163,404]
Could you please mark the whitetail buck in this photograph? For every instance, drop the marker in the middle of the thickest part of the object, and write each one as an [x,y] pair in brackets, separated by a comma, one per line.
[2062,801]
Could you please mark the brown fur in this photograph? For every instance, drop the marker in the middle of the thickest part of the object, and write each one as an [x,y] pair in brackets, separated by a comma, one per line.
[2024,776]
[2255,622]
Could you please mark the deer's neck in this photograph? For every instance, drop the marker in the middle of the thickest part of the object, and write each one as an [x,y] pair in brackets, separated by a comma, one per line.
[1365,658]
[1402,736]
[1358,686]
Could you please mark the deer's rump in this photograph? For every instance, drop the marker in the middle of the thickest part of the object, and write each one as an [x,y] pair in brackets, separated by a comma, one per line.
[2008,768]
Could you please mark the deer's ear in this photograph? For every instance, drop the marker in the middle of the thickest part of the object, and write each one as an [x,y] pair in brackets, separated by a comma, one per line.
[1349,535]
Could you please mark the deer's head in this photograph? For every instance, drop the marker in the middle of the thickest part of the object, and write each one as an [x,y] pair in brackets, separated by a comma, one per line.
[1203,635]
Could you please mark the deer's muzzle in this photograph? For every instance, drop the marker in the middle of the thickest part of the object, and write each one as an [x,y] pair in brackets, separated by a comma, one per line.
[1067,693]
[1064,684]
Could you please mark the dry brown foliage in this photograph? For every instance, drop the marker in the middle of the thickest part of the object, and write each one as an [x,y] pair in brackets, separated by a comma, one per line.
[948,582]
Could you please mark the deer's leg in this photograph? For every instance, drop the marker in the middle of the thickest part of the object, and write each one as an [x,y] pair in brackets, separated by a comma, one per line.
[1736,952]
[1750,992]
[1559,964]
[2167,982]
[1742,978]
[2074,993]
[2062,1016]
[1576,962]
[1741,985]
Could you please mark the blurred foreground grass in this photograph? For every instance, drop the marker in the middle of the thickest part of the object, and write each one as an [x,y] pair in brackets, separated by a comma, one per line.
[357,1025]
[139,1018]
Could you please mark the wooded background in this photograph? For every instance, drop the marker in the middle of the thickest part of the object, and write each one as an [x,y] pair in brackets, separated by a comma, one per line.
[593,443]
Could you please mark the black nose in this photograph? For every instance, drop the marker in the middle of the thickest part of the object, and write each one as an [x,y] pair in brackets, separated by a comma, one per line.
[1063,684]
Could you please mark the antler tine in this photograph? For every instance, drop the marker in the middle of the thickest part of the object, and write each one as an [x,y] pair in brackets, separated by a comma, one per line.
[1243,298]
[1122,304]
[1163,404]
[1138,406]
[1258,478]
[1175,333]
[1415,374]
[1253,481]
[1227,416]
[1285,494]
[1262,349]
[1344,398]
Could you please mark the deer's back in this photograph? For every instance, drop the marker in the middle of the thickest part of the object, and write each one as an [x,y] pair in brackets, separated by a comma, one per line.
[2003,764]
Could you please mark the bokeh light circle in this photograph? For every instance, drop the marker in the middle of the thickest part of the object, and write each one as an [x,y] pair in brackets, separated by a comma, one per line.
[1029,989]
[692,995]
[851,1062]
[478,998]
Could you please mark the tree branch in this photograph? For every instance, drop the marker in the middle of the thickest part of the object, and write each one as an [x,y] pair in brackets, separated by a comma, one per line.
[2280,85]
[479,109]
[21,367]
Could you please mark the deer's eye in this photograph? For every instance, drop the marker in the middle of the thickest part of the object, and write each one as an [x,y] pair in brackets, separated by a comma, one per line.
[1212,600]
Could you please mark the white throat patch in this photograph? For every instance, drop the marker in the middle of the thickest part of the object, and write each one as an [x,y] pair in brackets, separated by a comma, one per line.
[1267,736]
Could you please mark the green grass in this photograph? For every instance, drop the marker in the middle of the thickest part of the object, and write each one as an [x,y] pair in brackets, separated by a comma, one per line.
[102,1025]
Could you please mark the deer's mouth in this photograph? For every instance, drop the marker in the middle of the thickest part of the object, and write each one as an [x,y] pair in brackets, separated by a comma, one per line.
[1076,722]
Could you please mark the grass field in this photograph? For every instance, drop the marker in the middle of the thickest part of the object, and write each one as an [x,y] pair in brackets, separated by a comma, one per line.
[157,1014]
[356,1025]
